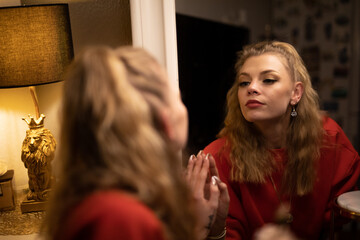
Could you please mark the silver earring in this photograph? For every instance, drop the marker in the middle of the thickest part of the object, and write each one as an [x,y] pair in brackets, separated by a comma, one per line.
[293,112]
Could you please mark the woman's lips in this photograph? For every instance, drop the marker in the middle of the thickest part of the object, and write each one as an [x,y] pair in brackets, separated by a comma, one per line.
[253,104]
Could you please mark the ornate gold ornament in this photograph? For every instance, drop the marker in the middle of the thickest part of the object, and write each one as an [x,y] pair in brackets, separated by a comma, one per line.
[38,150]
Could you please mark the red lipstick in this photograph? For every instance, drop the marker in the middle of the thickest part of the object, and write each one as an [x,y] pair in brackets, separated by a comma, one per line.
[253,104]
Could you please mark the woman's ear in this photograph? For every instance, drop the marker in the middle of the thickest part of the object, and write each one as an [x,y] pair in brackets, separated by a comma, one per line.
[166,124]
[297,93]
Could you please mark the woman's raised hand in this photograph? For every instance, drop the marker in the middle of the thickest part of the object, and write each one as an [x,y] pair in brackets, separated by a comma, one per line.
[210,194]
[219,225]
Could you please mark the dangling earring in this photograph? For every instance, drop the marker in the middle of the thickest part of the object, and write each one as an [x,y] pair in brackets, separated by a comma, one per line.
[293,112]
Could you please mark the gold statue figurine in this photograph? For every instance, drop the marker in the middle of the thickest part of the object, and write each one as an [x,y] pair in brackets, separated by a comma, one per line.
[38,150]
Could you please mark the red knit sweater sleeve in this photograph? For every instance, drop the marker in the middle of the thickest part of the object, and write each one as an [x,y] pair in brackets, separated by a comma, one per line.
[112,215]
[346,162]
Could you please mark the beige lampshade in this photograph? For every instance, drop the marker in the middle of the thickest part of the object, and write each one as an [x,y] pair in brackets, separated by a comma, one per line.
[35,44]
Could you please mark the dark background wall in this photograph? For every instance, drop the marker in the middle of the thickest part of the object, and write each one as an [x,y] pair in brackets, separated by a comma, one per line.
[326,34]
[206,57]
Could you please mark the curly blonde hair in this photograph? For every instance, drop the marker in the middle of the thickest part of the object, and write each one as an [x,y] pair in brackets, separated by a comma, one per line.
[250,156]
[111,140]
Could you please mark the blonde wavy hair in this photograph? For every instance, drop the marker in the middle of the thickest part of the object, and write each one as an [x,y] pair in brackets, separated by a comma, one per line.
[111,139]
[251,158]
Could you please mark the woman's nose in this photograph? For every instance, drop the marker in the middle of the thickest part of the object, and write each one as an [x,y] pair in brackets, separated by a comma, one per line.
[253,88]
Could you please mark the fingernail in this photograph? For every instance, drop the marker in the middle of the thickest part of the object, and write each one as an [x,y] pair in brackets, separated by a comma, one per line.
[216,179]
[192,157]
[207,156]
[213,180]
[201,152]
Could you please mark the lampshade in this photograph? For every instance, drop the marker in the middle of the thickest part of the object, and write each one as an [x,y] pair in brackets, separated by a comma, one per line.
[35,44]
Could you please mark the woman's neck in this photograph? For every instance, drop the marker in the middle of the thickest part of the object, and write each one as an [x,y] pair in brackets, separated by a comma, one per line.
[274,131]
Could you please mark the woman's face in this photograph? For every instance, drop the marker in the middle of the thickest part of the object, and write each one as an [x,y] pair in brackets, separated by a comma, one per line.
[265,88]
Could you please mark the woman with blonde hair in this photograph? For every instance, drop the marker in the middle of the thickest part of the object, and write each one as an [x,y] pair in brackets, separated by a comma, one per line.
[123,124]
[277,149]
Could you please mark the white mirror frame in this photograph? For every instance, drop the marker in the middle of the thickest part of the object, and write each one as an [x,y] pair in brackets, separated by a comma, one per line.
[153,25]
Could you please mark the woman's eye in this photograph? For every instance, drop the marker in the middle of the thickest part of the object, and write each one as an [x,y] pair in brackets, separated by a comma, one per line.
[269,81]
[244,84]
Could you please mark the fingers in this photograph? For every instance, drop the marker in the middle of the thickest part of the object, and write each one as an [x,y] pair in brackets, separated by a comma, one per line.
[213,170]
[224,191]
[193,167]
[224,201]
[200,174]
[198,162]
[197,171]
[214,193]
[190,167]
[224,194]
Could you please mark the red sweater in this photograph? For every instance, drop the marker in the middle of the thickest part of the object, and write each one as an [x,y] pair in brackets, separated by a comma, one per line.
[253,205]
[110,215]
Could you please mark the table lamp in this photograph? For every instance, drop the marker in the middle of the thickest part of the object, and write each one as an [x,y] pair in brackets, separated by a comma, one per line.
[35,48]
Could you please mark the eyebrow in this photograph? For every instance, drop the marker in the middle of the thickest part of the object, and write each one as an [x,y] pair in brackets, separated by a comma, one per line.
[261,73]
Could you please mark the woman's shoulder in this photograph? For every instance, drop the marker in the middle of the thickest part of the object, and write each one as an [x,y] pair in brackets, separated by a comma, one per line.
[332,128]
[216,145]
[118,204]
[220,149]
[116,212]
[330,125]
[334,134]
